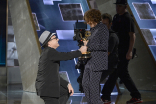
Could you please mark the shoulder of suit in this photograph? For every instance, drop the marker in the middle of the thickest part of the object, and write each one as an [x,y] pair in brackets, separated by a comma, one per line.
[112,34]
[115,16]
[113,37]
[128,16]
[50,50]
[101,24]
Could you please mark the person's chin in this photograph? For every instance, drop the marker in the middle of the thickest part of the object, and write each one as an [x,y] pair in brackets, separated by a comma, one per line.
[58,45]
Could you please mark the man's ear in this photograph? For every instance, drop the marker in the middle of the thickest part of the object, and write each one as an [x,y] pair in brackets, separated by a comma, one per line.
[48,44]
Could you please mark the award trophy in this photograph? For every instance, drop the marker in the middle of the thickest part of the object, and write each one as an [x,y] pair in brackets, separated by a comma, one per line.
[85,38]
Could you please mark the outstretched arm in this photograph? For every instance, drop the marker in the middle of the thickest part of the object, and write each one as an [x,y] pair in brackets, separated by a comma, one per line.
[62,56]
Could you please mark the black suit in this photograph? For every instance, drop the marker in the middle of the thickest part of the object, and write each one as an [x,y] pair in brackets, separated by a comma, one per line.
[49,82]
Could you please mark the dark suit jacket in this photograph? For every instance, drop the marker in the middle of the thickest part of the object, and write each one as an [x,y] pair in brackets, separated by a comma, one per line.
[98,46]
[48,80]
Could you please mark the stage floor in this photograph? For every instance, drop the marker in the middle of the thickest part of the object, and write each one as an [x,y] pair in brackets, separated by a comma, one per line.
[13,94]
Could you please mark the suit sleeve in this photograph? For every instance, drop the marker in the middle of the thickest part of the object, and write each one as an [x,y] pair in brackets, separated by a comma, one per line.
[100,41]
[63,82]
[63,56]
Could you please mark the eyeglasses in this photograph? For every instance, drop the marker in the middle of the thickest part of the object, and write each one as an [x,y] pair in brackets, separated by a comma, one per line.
[53,38]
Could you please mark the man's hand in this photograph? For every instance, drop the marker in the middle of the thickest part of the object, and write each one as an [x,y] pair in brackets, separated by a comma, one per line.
[70,89]
[131,44]
[83,49]
[129,55]
[85,42]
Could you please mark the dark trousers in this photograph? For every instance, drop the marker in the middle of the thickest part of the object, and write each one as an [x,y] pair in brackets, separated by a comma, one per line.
[123,74]
[105,73]
[91,83]
[64,95]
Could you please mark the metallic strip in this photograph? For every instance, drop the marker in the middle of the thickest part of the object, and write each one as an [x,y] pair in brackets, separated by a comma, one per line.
[34,28]
[89,4]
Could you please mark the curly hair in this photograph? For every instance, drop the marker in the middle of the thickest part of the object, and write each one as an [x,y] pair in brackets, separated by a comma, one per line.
[107,16]
[92,15]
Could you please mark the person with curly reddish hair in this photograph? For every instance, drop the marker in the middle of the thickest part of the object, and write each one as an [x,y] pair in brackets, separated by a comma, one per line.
[98,46]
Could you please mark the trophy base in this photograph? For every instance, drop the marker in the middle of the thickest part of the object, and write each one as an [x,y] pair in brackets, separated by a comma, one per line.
[86,55]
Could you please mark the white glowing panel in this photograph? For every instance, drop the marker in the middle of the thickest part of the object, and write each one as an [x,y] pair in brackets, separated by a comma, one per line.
[83,94]
[65,34]
[153,1]
[144,11]
[153,31]
[154,38]
[49,2]
[71,12]
[64,75]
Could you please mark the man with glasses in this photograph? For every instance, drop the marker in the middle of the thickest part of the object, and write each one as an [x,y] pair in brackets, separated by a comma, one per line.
[49,85]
